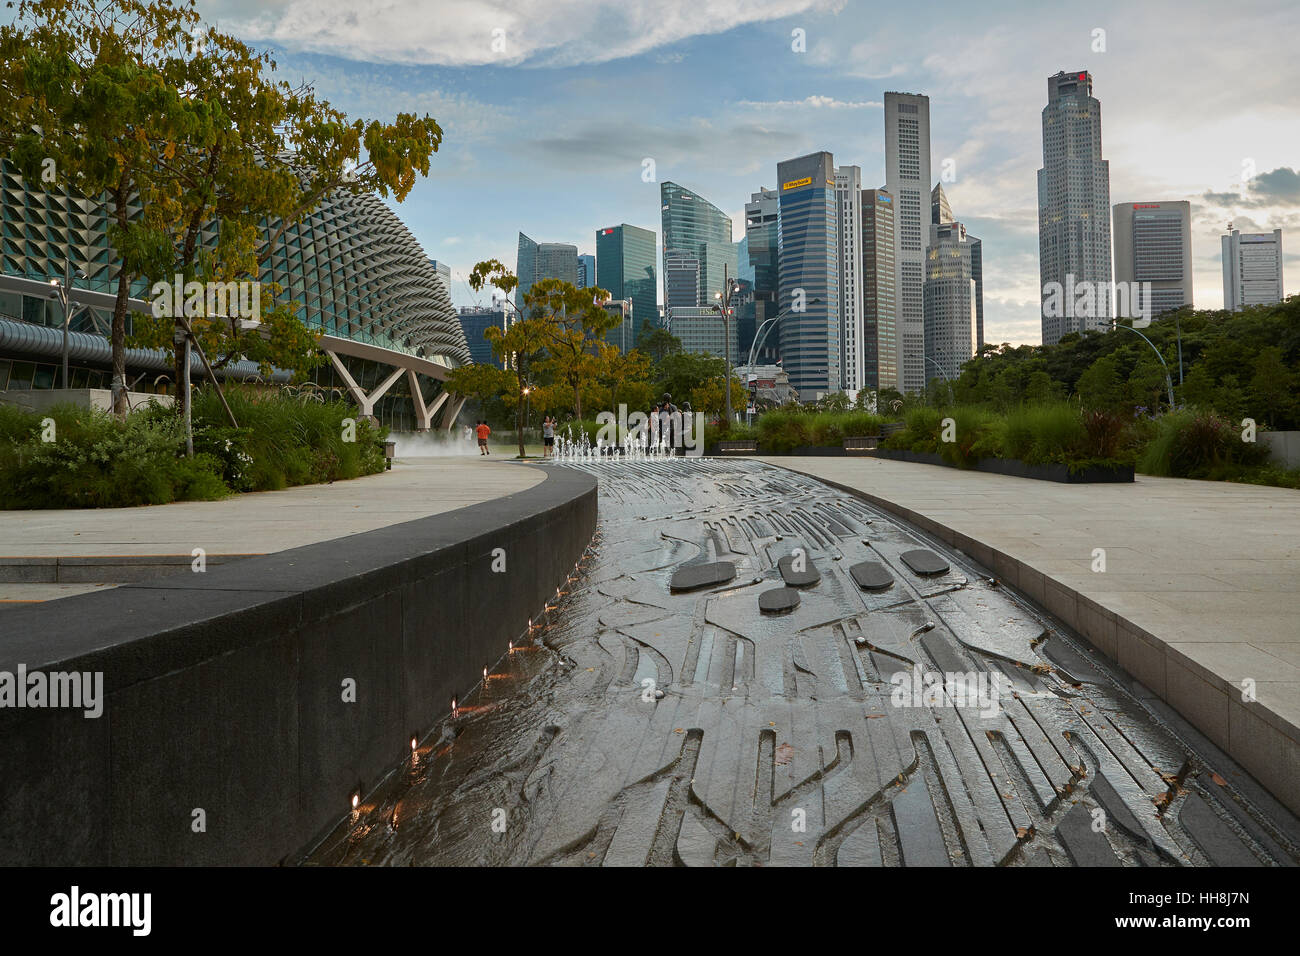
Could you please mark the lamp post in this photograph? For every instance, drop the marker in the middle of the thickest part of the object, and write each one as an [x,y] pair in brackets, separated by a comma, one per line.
[724,310]
[1169,382]
[944,375]
[63,290]
[760,334]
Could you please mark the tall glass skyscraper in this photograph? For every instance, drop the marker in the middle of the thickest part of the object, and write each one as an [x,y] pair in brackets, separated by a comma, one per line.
[907,177]
[762,239]
[625,268]
[809,274]
[586,271]
[544,260]
[1073,210]
[695,227]
[879,295]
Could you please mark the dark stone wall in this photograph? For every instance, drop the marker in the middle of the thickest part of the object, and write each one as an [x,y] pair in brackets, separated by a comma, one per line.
[224,689]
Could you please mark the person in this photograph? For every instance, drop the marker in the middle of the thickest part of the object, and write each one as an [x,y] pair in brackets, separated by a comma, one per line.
[548,436]
[666,411]
[653,433]
[483,432]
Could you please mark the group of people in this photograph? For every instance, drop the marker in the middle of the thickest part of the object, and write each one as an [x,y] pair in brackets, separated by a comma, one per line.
[663,428]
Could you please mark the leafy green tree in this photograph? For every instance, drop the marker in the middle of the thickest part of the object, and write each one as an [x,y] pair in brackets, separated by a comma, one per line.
[1099,385]
[574,324]
[1273,387]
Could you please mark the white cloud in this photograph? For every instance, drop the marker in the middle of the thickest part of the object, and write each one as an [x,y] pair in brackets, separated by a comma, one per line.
[499,32]
[813,102]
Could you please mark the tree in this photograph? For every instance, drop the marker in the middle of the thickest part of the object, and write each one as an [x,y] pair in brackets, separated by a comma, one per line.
[616,371]
[1273,387]
[1098,387]
[478,381]
[575,324]
[657,343]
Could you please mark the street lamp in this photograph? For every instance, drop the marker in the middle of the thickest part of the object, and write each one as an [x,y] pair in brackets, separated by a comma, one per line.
[760,334]
[944,375]
[724,310]
[1169,382]
[63,290]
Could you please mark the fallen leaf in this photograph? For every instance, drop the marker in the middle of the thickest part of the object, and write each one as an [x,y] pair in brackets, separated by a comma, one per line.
[1219,780]
[1023,832]
[784,754]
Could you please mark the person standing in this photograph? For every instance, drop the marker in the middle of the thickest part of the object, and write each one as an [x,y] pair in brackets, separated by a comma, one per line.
[483,431]
[653,437]
[548,437]
[666,411]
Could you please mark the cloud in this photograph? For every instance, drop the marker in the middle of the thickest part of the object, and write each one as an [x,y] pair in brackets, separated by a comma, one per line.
[1277,187]
[814,102]
[495,32]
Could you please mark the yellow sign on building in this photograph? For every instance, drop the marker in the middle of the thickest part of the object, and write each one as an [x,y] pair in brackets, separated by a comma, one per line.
[796,183]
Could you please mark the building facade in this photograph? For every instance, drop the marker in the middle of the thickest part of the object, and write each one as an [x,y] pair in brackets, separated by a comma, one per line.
[695,227]
[808,252]
[701,330]
[1153,243]
[879,295]
[474,322]
[853,349]
[949,301]
[941,213]
[1252,269]
[907,178]
[762,247]
[352,269]
[625,265]
[1073,211]
[586,271]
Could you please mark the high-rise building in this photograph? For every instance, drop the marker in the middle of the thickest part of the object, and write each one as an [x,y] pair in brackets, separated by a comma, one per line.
[879,296]
[949,301]
[544,260]
[809,274]
[1252,269]
[1153,243]
[474,321]
[1073,211]
[907,179]
[586,271]
[681,280]
[695,227]
[941,213]
[848,203]
[622,336]
[761,245]
[625,265]
[701,330]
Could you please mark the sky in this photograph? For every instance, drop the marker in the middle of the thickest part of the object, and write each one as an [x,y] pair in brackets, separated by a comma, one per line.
[551,108]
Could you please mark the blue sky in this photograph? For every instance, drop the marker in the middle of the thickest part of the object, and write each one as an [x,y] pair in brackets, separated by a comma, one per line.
[547,131]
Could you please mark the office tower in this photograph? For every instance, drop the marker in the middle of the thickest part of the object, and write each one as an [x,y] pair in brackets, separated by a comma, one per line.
[622,336]
[681,280]
[1073,211]
[474,321]
[586,271]
[907,179]
[525,269]
[695,227]
[940,210]
[544,260]
[761,244]
[625,268]
[879,296]
[1153,243]
[941,213]
[949,301]
[700,329]
[809,274]
[1252,269]
[848,203]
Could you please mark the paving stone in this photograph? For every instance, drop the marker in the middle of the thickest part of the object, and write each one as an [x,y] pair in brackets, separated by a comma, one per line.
[924,561]
[702,575]
[778,600]
[796,578]
[871,576]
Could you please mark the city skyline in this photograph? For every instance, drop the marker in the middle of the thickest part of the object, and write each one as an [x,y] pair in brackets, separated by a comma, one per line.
[1170,133]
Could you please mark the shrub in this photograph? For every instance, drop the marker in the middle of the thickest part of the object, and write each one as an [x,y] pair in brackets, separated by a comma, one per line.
[1196,443]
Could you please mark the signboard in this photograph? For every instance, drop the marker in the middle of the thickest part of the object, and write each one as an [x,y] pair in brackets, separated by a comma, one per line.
[796,183]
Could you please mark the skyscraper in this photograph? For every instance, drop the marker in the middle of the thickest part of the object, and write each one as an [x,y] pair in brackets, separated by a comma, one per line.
[695,227]
[681,280]
[1153,243]
[907,178]
[625,267]
[809,274]
[879,295]
[949,301]
[848,203]
[1073,211]
[544,260]
[761,243]
[586,271]
[1252,269]
[941,213]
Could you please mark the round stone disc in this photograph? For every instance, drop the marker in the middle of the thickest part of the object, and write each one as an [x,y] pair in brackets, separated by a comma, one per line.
[702,575]
[871,576]
[799,579]
[778,600]
[924,561]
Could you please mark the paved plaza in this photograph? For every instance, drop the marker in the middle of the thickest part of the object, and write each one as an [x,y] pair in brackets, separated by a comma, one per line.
[899,706]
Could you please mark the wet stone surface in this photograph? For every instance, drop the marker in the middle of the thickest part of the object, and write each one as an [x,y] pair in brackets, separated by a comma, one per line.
[642,725]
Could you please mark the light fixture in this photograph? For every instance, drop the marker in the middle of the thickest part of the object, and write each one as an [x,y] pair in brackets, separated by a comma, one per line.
[414,743]
[356,799]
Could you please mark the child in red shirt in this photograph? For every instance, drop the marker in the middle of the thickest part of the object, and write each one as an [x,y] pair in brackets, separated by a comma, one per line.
[483,431]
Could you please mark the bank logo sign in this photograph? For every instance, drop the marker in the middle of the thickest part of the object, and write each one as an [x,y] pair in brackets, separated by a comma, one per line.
[796,183]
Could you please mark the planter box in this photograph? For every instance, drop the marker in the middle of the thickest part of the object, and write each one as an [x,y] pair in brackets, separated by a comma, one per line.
[1018,469]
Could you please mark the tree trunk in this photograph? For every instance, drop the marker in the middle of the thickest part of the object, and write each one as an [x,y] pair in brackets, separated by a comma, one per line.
[519,407]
